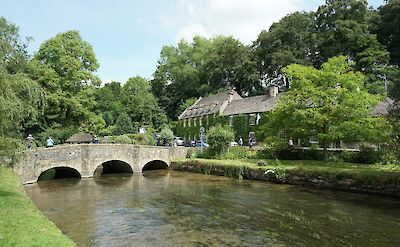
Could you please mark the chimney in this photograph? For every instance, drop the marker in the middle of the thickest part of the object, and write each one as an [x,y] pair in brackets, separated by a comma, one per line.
[273,91]
[230,96]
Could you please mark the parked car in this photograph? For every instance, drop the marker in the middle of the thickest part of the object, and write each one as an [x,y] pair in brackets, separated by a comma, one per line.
[200,143]
[233,144]
[179,141]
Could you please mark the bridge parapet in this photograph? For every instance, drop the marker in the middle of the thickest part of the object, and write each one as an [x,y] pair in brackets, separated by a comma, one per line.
[85,158]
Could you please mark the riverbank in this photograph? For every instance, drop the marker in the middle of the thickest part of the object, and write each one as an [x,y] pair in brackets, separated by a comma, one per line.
[21,223]
[376,179]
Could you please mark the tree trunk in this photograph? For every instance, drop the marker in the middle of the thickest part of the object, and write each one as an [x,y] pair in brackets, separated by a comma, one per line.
[325,143]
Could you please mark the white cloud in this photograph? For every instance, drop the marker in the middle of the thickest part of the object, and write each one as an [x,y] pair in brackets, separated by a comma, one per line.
[243,19]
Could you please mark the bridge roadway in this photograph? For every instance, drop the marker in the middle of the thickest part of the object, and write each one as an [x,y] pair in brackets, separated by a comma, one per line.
[86,158]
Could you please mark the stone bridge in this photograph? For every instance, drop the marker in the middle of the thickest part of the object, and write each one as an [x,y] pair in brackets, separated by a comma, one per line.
[86,159]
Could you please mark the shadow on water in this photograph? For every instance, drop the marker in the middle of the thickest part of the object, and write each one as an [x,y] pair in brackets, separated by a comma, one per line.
[155,165]
[59,173]
[155,173]
[112,179]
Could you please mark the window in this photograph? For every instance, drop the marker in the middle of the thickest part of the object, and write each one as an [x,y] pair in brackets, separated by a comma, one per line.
[252,119]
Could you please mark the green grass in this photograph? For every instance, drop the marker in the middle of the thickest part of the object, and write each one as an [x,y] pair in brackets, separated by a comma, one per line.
[309,168]
[21,223]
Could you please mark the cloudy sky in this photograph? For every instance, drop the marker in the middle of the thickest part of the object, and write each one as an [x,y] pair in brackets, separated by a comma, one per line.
[127,35]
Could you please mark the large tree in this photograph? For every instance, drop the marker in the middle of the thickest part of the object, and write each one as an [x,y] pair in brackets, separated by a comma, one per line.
[202,67]
[64,66]
[342,28]
[140,104]
[290,40]
[388,29]
[328,104]
[21,99]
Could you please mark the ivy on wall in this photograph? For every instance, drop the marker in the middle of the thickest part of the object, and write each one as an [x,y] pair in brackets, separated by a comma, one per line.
[240,126]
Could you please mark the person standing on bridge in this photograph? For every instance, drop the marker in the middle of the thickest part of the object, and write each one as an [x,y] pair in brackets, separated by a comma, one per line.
[29,141]
[49,142]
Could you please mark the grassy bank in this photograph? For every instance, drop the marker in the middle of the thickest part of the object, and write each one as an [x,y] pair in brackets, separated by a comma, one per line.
[343,176]
[21,223]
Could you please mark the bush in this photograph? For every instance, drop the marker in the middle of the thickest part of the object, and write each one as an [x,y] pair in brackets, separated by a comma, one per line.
[219,138]
[167,134]
[10,150]
[235,153]
[122,139]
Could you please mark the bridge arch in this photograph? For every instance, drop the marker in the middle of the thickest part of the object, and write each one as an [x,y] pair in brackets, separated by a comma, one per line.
[59,172]
[113,166]
[155,165]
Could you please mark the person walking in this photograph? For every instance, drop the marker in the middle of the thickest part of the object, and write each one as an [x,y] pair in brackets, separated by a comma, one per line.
[240,141]
[29,141]
[250,142]
[49,142]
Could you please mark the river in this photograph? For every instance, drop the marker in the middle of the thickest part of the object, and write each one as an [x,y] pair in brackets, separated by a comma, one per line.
[170,208]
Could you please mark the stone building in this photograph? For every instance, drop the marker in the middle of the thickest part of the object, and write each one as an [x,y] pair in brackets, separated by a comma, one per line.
[225,108]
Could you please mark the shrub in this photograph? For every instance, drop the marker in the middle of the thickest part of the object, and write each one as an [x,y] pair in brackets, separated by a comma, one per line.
[122,139]
[235,153]
[219,138]
[10,150]
[167,134]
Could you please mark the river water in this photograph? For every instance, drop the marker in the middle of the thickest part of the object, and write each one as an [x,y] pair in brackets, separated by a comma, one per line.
[170,208]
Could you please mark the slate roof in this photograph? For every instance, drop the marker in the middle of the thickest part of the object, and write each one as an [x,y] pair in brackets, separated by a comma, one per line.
[261,103]
[80,138]
[209,105]
[382,108]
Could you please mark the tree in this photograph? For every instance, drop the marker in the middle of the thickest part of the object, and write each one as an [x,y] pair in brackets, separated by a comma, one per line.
[203,67]
[167,134]
[64,67]
[388,29]
[71,58]
[342,28]
[13,54]
[290,40]
[123,125]
[219,138]
[329,104]
[140,104]
[21,99]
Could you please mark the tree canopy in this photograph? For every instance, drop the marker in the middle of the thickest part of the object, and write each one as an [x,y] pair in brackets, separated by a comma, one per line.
[328,104]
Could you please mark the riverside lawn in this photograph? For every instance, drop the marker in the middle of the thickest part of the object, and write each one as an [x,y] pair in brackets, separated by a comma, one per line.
[373,178]
[21,223]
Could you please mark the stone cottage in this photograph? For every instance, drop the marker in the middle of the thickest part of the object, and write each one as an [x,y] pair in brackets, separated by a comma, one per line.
[227,107]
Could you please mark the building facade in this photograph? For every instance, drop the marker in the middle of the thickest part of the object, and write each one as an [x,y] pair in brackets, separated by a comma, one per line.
[245,115]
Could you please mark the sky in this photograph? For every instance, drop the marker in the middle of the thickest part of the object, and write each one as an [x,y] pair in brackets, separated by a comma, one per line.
[127,35]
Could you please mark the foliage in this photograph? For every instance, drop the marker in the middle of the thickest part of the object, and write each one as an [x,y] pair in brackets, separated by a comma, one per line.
[167,134]
[122,139]
[219,137]
[202,67]
[327,104]
[13,54]
[388,29]
[342,28]
[123,125]
[140,104]
[11,150]
[64,67]
[290,40]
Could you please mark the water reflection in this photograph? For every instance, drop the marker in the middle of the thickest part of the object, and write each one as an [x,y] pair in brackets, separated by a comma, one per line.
[165,208]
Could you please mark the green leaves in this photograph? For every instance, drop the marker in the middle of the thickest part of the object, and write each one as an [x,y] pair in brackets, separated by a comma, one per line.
[330,104]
